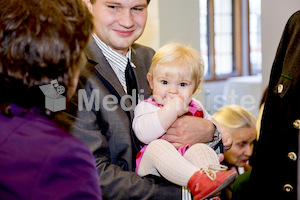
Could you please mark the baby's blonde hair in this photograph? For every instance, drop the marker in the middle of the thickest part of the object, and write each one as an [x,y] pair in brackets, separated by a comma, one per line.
[234,116]
[178,57]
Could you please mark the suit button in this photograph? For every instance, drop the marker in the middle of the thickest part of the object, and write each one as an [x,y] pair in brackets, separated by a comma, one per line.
[288,188]
[292,156]
[296,124]
[279,88]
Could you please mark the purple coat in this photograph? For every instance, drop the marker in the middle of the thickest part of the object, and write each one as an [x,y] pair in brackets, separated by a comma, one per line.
[38,160]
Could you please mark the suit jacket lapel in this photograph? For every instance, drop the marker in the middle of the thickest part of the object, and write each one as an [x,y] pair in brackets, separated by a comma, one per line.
[140,73]
[95,55]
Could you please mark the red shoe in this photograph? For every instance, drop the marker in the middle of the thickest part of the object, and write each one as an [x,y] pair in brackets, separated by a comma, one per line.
[215,198]
[210,180]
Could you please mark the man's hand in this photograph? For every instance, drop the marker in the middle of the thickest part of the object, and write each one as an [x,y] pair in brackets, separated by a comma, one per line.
[189,130]
[227,140]
[226,137]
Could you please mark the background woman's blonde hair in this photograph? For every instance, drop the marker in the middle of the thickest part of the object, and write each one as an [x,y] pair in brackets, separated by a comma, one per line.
[178,57]
[234,116]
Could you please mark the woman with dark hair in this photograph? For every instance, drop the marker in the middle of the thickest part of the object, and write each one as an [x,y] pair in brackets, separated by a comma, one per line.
[40,41]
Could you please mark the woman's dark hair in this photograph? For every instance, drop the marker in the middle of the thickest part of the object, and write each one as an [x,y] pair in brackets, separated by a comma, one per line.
[93,1]
[40,40]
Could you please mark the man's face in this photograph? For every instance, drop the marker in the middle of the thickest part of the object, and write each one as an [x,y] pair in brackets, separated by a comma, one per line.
[119,23]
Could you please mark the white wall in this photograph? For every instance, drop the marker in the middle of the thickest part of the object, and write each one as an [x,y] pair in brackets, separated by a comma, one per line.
[151,36]
[275,14]
[179,22]
[172,21]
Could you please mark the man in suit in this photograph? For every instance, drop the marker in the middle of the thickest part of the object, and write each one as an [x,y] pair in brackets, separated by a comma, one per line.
[276,171]
[100,114]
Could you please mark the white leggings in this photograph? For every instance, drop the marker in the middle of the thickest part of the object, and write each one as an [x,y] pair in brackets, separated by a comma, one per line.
[162,158]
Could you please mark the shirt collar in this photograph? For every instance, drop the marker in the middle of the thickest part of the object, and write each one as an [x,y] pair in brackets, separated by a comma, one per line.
[111,54]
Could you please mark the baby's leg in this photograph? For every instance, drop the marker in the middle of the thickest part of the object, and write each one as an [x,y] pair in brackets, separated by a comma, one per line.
[201,155]
[161,157]
[215,179]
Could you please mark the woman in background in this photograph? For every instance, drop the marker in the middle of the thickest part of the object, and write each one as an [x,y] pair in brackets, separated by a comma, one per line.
[241,125]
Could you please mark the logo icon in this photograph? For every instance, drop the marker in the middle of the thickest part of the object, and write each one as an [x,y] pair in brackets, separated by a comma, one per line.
[54,101]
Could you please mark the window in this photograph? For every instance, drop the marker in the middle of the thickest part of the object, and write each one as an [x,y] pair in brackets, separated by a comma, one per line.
[222,38]
[204,34]
[223,33]
[255,36]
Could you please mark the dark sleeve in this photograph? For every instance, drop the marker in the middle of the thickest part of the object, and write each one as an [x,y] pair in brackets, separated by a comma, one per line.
[120,184]
[69,172]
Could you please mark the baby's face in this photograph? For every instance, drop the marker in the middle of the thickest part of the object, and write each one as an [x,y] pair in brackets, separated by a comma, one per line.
[172,84]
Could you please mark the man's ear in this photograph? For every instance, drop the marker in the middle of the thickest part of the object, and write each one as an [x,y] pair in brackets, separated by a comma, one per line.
[150,80]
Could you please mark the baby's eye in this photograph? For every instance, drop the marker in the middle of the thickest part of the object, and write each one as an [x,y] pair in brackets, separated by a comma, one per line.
[111,7]
[164,82]
[183,84]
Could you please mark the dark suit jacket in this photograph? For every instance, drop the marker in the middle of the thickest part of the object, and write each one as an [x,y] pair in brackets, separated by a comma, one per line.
[108,132]
[274,173]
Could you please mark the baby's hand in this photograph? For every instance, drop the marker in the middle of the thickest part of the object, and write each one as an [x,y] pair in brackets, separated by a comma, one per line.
[177,104]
